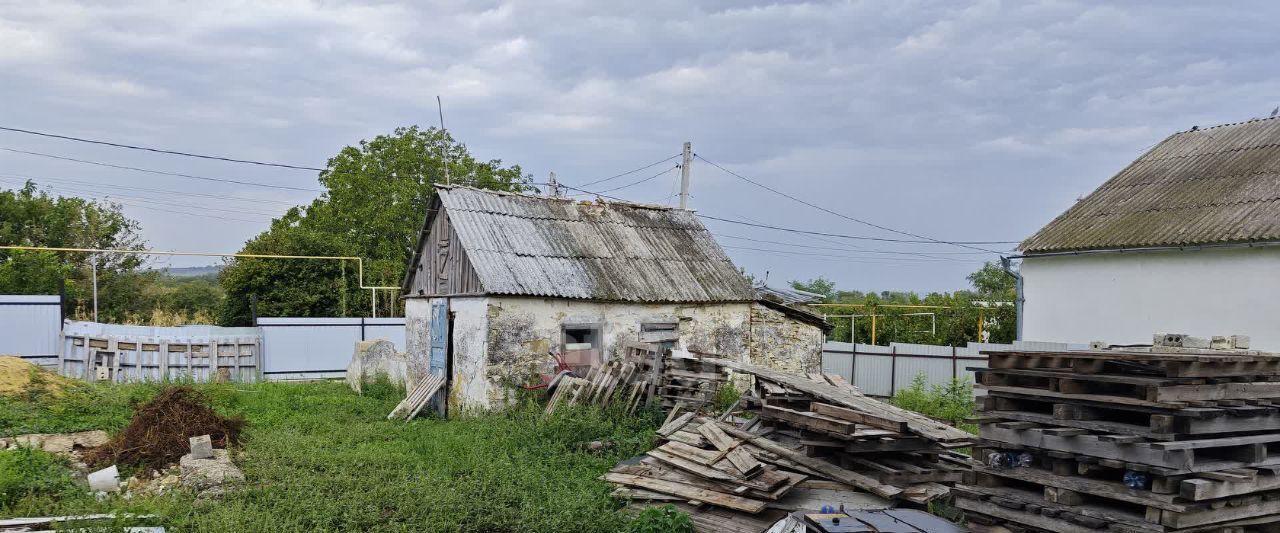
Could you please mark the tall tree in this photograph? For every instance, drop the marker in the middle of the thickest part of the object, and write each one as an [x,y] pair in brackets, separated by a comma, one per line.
[376,196]
[30,217]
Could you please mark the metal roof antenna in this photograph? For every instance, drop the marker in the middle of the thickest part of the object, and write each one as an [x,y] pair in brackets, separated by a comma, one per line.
[444,151]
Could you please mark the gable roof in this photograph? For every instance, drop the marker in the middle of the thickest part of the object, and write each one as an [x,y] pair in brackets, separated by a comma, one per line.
[1205,186]
[531,245]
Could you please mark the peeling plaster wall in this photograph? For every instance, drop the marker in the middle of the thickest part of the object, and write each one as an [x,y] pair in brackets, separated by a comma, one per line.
[522,330]
[417,335]
[781,342]
[502,342]
[469,389]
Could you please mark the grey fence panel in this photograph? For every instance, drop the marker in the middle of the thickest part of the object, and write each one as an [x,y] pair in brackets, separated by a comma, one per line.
[29,327]
[884,370]
[121,353]
[319,348]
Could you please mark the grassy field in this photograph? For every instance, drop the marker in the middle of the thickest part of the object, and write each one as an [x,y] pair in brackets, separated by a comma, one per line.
[320,458]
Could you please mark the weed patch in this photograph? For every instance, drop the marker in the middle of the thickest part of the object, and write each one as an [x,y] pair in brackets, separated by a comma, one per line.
[952,403]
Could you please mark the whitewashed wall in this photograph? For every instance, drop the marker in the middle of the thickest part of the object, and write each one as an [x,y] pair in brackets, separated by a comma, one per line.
[1123,298]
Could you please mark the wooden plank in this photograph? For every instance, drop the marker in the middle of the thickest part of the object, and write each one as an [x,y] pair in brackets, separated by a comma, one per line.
[1198,489]
[688,492]
[1220,391]
[835,411]
[852,399]
[745,463]
[805,420]
[820,466]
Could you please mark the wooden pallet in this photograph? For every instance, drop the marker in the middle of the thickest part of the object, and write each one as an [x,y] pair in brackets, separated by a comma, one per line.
[1162,423]
[1150,363]
[1173,392]
[1187,456]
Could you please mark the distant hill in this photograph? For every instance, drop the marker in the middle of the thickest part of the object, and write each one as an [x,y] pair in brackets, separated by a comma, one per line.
[191,272]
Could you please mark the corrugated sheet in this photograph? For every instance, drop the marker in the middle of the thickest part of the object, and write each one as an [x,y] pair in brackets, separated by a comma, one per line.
[1209,186]
[29,327]
[539,246]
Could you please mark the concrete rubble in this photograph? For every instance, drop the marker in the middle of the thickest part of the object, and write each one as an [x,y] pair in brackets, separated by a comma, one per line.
[209,477]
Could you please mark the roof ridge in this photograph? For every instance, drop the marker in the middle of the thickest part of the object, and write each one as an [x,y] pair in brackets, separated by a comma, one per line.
[1196,129]
[539,196]
[1175,208]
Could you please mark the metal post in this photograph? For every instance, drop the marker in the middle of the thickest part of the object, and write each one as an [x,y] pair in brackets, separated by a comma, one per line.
[553,186]
[684,175]
[981,320]
[873,329]
[373,303]
[93,260]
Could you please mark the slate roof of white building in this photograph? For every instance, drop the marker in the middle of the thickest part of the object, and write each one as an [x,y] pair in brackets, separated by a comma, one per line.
[1204,186]
[531,245]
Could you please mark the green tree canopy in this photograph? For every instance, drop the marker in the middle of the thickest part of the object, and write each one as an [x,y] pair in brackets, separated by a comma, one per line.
[30,217]
[376,196]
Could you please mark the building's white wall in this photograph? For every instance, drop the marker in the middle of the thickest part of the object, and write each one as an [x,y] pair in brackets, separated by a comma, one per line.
[1126,297]
[502,342]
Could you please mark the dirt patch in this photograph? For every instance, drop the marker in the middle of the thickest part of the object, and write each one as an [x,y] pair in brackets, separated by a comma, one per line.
[20,377]
[157,435]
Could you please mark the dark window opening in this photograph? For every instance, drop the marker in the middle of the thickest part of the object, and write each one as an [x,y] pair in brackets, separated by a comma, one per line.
[581,346]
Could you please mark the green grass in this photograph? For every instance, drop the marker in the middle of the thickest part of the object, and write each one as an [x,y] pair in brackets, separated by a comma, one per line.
[321,458]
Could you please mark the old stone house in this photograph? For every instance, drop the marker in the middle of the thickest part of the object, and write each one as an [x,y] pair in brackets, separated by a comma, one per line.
[500,281]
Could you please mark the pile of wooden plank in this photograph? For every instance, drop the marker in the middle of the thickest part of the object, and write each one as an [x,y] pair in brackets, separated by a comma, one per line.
[644,374]
[1160,439]
[792,436]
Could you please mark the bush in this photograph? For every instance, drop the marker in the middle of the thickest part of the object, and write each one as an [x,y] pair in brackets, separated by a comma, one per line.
[28,472]
[661,519]
[953,403]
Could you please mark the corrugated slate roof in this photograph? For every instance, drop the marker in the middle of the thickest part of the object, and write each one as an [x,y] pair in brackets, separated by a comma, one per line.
[540,246]
[1205,186]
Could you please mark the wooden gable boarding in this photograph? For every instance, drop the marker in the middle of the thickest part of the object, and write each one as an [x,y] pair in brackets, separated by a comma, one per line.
[442,267]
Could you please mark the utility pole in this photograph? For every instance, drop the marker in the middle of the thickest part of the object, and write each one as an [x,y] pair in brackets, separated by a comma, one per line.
[93,259]
[684,175]
[555,187]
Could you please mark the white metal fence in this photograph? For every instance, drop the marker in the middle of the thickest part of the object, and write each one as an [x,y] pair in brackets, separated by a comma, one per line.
[29,327]
[884,370]
[318,348]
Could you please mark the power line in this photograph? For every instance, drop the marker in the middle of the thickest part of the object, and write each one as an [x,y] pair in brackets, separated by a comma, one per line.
[149,189]
[854,237]
[833,258]
[632,184]
[160,172]
[627,173]
[151,201]
[158,150]
[841,215]
[931,255]
[161,201]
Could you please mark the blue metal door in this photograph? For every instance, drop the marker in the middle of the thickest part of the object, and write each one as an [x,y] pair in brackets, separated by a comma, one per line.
[439,346]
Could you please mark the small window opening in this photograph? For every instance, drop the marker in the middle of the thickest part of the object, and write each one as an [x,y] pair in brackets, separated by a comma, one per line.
[581,346]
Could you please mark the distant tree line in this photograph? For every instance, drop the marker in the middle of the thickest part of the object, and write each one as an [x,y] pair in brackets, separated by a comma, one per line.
[957,316]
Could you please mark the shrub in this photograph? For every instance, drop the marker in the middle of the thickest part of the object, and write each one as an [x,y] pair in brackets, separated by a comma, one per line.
[661,519]
[953,403]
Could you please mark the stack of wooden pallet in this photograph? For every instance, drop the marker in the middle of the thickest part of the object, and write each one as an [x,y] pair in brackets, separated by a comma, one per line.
[1151,440]
[795,436]
[644,374]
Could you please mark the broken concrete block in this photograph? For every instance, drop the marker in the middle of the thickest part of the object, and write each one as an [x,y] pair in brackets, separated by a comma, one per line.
[1201,343]
[1167,339]
[105,480]
[1240,342]
[201,447]
[377,358]
[202,474]
[1098,345]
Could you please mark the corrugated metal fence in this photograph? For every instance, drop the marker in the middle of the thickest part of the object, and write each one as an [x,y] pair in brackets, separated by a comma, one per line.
[884,370]
[317,348]
[29,327]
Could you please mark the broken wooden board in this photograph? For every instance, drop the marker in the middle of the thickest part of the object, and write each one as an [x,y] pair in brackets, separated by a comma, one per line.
[688,492]
[852,399]
[417,399]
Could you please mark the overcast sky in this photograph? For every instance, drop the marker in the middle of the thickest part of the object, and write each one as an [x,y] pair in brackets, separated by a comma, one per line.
[976,122]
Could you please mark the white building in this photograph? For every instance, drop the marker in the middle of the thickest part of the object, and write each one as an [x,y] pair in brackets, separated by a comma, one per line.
[499,280]
[1182,240]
